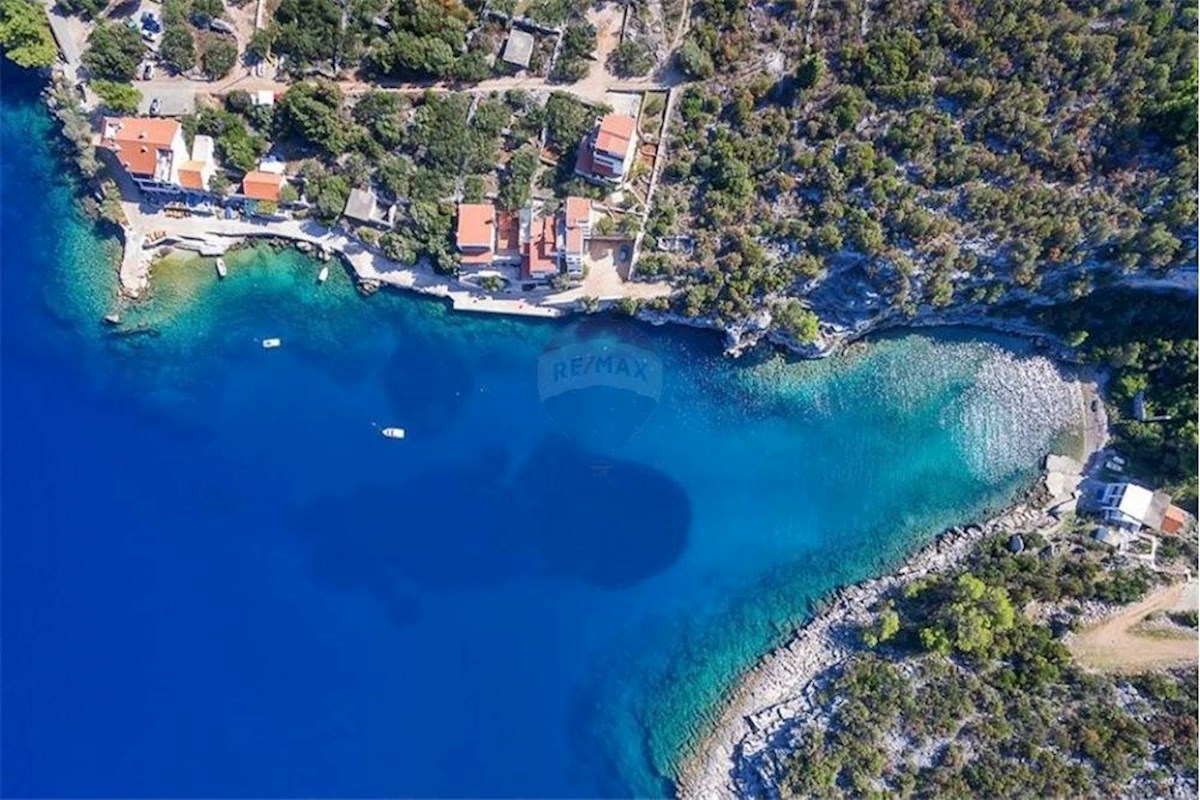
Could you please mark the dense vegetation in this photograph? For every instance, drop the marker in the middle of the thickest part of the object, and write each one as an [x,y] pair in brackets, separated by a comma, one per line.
[410,39]
[114,52]
[117,98]
[1148,342]
[954,152]
[963,695]
[25,35]
[415,153]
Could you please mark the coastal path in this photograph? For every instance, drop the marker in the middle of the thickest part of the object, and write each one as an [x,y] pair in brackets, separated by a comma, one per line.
[213,235]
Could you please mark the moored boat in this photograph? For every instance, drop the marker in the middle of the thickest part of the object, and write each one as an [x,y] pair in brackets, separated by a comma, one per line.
[323,275]
[393,433]
[221,271]
[270,344]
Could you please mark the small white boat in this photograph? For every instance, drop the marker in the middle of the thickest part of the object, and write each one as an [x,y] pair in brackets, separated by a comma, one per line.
[221,271]
[323,275]
[271,344]
[393,433]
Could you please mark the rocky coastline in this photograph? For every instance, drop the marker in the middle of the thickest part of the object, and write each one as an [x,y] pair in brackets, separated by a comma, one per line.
[761,708]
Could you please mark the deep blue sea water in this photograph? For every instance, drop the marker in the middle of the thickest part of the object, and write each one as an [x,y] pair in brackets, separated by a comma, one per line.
[220,580]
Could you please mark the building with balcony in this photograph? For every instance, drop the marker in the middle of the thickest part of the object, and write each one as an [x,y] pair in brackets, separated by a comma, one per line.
[606,153]
[150,150]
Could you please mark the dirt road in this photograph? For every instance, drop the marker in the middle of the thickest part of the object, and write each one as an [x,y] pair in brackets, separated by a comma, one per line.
[1113,646]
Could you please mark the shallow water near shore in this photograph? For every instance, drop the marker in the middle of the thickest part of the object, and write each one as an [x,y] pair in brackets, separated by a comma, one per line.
[219,579]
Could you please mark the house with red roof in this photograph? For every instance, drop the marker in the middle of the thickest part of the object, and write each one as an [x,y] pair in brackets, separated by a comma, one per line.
[539,246]
[575,229]
[196,172]
[475,233]
[606,152]
[543,245]
[259,185]
[150,150]
[486,237]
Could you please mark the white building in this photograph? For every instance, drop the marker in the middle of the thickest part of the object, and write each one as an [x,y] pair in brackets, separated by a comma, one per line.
[195,175]
[1129,506]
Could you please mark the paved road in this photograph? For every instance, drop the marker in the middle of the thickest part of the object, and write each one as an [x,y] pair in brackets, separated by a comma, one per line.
[593,92]
[70,34]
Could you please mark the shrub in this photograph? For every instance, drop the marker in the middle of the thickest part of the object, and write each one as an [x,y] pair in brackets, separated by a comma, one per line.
[219,58]
[119,98]
[631,58]
[178,48]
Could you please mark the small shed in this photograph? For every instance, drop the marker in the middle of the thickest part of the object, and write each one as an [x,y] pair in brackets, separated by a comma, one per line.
[518,50]
[1175,519]
[363,206]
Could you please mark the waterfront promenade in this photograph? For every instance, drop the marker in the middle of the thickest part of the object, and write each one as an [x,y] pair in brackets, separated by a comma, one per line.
[213,235]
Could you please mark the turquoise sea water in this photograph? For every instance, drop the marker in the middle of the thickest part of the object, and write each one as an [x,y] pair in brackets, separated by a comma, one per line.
[220,580]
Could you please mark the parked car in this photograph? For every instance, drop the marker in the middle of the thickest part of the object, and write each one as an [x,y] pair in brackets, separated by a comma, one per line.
[155,105]
[623,255]
[148,71]
[150,23]
[221,26]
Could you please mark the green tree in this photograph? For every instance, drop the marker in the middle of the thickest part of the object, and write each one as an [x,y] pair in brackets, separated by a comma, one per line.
[83,8]
[114,52]
[119,98]
[25,34]
[178,48]
[694,60]
[799,322]
[810,71]
[631,58]
[567,120]
[307,31]
[260,43]
[972,619]
[883,628]
[219,58]
[312,112]
[516,181]
[578,43]
[206,10]
[380,112]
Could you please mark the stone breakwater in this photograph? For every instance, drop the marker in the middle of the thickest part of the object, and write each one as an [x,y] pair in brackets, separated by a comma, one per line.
[752,728]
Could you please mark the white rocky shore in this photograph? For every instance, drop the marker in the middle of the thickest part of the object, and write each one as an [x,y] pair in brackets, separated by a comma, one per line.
[780,689]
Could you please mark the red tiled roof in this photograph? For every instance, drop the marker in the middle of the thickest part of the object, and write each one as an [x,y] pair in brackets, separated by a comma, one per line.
[574,240]
[586,164]
[579,211]
[508,233]
[1174,519]
[615,133]
[262,185]
[191,175]
[539,257]
[476,226]
[137,140]
[576,214]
